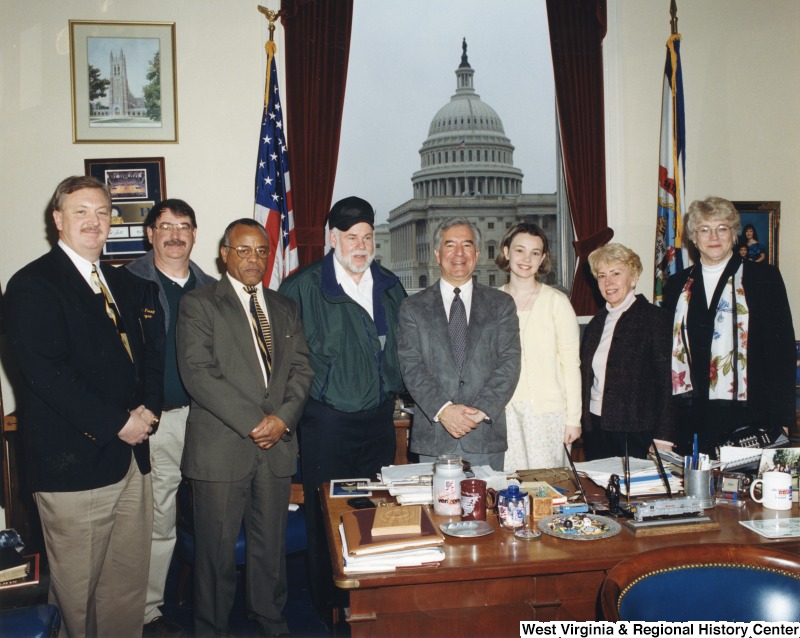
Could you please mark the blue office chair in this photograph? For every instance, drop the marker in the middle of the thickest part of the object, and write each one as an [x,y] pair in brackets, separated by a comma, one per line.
[735,583]
[39,621]
[296,535]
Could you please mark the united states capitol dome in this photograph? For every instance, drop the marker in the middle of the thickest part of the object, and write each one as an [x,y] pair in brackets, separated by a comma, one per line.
[466,151]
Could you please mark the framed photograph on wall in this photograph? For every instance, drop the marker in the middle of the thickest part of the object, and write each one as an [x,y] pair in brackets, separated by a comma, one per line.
[760,226]
[136,185]
[123,81]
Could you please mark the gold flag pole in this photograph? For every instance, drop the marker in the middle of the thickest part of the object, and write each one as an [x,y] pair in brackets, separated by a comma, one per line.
[269,47]
[673,12]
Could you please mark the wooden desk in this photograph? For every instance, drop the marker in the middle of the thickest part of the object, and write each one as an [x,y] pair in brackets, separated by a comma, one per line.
[486,585]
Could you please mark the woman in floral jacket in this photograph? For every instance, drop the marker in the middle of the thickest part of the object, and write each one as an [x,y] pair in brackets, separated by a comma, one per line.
[733,354]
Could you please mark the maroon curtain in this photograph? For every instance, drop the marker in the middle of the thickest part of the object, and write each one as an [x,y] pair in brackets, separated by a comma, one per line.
[577,29]
[317,50]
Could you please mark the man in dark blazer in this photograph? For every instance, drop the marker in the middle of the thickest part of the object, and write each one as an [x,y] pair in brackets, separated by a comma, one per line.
[92,390]
[241,444]
[460,402]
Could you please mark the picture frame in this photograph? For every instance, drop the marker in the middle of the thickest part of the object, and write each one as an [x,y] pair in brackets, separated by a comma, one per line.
[764,217]
[136,185]
[349,488]
[124,82]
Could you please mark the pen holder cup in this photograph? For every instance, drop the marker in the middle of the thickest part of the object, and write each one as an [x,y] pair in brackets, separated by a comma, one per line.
[700,484]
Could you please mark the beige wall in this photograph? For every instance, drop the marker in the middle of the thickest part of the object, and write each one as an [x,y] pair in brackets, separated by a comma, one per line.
[740,64]
[220,71]
[740,61]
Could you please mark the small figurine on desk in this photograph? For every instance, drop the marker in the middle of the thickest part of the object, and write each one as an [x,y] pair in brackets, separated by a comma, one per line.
[612,493]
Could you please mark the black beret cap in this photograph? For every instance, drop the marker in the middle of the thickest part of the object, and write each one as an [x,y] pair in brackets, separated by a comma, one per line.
[350,211]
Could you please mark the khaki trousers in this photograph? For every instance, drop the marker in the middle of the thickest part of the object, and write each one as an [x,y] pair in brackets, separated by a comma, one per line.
[166,450]
[98,548]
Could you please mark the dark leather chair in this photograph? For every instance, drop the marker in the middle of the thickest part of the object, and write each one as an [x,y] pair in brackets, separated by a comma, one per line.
[735,583]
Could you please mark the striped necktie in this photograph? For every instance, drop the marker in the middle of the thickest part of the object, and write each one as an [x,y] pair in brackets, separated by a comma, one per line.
[111,310]
[258,318]
[458,328]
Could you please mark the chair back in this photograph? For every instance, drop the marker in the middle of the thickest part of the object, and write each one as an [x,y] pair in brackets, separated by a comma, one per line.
[735,583]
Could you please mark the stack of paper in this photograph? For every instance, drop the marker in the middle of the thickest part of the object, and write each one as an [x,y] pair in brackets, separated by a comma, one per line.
[645,479]
[364,552]
[413,484]
[409,484]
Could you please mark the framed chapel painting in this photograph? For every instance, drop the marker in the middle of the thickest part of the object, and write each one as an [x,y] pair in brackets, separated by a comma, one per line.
[123,82]
[136,185]
[758,239]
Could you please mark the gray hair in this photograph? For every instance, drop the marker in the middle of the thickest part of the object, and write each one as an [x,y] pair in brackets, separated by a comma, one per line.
[451,223]
[244,221]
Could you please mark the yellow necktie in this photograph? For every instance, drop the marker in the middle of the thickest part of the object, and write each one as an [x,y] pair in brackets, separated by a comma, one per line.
[111,310]
[258,318]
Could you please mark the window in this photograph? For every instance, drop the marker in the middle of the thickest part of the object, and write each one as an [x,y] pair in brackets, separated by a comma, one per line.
[493,281]
[423,281]
[365,71]
[490,225]
[490,251]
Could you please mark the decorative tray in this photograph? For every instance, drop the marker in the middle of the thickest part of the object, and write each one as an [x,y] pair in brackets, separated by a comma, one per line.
[579,527]
[467,529]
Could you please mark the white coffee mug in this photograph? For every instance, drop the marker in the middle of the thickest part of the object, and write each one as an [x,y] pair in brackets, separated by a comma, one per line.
[776,490]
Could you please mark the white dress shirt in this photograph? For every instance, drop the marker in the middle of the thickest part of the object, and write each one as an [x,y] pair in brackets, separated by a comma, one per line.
[244,298]
[360,292]
[448,295]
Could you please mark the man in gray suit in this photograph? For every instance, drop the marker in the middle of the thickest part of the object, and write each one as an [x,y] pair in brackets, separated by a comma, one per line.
[460,355]
[244,361]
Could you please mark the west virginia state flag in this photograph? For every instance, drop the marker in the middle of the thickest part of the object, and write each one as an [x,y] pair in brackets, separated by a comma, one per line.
[670,251]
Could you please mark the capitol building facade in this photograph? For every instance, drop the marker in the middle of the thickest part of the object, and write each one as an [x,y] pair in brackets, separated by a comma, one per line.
[466,170]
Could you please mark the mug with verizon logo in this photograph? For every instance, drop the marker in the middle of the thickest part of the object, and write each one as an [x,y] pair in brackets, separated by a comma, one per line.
[776,490]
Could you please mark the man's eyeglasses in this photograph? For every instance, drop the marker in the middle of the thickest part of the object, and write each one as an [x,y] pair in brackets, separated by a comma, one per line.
[244,252]
[181,227]
[721,231]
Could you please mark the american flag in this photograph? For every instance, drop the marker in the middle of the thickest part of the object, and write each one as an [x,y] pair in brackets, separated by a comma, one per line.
[273,206]
[670,249]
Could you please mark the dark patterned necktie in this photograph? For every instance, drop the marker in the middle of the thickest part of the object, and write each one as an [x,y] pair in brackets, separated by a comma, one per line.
[458,328]
[111,310]
[258,318]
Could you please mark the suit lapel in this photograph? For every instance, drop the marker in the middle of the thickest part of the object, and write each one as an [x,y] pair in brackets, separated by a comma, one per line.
[231,309]
[85,295]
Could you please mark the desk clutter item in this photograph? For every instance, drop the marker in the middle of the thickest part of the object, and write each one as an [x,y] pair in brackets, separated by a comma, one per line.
[776,490]
[27,574]
[579,527]
[12,564]
[775,527]
[539,489]
[361,542]
[644,475]
[348,488]
[513,508]
[388,561]
[467,529]
[667,527]
[397,520]
[448,472]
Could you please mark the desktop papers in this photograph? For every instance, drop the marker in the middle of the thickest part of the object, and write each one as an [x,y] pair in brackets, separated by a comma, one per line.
[775,527]
[412,484]
[409,484]
[645,480]
[389,561]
